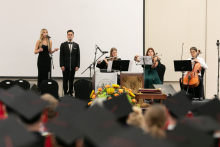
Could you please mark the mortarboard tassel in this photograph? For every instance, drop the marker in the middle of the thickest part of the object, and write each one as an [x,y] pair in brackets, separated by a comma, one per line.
[48,141]
[219,143]
[45,116]
[167,124]
[189,115]
[2,112]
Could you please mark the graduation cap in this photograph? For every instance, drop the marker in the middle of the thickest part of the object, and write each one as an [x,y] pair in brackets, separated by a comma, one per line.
[119,106]
[28,105]
[179,104]
[205,124]
[211,108]
[133,137]
[65,129]
[13,134]
[185,135]
[1,89]
[71,106]
[11,94]
[101,129]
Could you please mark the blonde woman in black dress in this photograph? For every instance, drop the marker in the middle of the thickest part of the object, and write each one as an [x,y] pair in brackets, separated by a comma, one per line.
[44,48]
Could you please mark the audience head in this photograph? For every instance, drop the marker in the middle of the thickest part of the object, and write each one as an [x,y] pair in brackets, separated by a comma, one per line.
[155,119]
[98,102]
[53,102]
[136,118]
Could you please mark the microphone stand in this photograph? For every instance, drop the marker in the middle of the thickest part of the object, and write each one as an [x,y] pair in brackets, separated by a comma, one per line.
[144,69]
[95,59]
[71,47]
[217,96]
[90,67]
[182,69]
[51,61]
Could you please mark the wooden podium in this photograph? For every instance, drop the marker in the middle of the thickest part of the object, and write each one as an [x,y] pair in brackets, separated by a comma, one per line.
[133,81]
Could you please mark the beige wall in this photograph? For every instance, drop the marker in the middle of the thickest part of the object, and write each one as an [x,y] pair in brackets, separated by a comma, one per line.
[170,23]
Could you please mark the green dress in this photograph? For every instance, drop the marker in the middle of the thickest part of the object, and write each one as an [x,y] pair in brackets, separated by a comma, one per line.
[151,76]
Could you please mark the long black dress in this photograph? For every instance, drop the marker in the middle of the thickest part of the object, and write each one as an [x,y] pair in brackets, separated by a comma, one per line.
[43,64]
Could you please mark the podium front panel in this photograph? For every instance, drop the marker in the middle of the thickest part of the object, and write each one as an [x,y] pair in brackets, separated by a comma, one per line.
[101,79]
[133,81]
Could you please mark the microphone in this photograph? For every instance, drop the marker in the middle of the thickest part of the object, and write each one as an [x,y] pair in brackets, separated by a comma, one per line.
[98,48]
[104,52]
[48,36]
[217,43]
[70,39]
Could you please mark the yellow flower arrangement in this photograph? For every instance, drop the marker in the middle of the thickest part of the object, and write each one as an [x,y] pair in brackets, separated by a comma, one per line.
[115,86]
[107,86]
[94,96]
[90,103]
[92,93]
[133,101]
[116,94]
[120,90]
[131,94]
[110,90]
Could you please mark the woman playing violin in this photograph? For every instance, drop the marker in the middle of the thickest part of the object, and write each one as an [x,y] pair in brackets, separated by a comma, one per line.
[151,76]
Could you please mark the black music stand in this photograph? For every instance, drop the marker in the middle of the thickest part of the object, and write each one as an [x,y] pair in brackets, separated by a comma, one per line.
[121,65]
[182,65]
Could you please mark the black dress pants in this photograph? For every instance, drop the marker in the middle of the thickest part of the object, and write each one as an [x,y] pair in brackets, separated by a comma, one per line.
[197,92]
[68,76]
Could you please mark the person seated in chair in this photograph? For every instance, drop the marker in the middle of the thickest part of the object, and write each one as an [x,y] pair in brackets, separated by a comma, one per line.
[104,63]
[151,75]
[198,92]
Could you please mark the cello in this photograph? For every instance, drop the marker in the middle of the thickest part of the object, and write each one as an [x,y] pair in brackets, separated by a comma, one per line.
[191,79]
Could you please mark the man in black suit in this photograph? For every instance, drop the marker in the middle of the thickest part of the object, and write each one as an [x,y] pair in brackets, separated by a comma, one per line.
[69,61]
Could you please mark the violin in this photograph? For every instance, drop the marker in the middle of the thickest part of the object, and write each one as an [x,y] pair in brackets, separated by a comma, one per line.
[156,56]
[191,79]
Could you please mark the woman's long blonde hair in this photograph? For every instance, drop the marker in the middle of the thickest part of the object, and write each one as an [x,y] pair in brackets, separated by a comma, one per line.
[113,49]
[53,103]
[155,118]
[41,39]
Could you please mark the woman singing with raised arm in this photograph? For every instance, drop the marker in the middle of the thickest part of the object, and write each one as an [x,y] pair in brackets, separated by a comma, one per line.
[151,76]
[44,48]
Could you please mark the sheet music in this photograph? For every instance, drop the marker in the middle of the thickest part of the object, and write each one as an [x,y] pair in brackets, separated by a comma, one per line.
[109,69]
[130,66]
[146,59]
